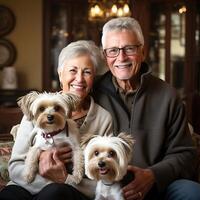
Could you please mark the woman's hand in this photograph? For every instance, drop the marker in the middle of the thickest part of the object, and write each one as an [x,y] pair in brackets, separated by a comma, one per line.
[52,163]
[140,186]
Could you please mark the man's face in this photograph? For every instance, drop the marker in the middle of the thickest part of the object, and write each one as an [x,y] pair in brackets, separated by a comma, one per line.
[123,66]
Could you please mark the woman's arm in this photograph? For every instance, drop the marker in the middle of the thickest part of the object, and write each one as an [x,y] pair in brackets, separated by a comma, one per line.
[20,149]
[52,163]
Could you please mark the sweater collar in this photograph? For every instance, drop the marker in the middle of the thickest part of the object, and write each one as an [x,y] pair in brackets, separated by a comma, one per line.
[91,115]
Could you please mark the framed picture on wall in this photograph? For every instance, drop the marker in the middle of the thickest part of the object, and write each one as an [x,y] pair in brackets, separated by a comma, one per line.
[7,53]
[7,20]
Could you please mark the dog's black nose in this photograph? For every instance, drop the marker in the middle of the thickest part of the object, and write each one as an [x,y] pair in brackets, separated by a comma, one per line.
[101,164]
[50,117]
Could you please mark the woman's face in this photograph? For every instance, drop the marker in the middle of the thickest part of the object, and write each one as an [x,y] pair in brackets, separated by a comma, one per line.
[77,75]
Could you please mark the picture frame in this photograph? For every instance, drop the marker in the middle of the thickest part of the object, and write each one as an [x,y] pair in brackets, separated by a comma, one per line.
[7,20]
[7,53]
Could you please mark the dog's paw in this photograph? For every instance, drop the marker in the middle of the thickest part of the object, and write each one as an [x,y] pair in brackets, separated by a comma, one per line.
[77,180]
[73,180]
[28,178]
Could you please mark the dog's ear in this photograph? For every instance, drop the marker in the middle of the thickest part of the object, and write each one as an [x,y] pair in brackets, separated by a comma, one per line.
[72,101]
[85,139]
[128,141]
[25,102]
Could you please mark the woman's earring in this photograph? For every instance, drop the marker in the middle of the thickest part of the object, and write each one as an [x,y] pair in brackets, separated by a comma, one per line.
[61,85]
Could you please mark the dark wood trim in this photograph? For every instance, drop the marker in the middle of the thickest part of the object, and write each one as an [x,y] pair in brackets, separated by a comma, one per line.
[72,11]
[6,137]
[143,6]
[168,43]
[189,59]
[46,44]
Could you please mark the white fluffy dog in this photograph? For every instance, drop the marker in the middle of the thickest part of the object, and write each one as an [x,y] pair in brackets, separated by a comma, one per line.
[50,114]
[106,161]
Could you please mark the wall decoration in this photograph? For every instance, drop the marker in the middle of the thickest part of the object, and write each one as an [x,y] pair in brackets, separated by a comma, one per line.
[7,53]
[7,20]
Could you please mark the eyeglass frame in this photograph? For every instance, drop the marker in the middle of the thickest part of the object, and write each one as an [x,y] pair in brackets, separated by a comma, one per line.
[136,46]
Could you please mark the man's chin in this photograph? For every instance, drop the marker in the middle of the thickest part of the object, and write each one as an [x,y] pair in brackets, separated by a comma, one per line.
[123,77]
[122,74]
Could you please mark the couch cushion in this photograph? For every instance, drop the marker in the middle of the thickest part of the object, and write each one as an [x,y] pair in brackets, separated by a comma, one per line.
[5,153]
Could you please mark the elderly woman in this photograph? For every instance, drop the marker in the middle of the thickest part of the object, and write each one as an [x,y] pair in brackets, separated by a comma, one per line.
[78,64]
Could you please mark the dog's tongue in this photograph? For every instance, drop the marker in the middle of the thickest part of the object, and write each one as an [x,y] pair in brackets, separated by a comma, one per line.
[103,171]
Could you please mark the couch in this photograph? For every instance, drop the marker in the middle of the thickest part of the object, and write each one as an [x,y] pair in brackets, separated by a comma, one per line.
[6,144]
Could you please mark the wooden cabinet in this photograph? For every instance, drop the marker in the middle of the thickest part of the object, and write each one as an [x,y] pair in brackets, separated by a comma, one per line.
[9,116]
[64,21]
[10,113]
[174,46]
[172,38]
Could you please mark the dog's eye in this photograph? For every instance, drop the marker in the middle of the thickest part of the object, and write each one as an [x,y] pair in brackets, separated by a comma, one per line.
[57,108]
[41,108]
[111,154]
[96,153]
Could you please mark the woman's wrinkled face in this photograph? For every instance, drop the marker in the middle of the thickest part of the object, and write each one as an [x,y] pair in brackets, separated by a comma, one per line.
[77,75]
[123,66]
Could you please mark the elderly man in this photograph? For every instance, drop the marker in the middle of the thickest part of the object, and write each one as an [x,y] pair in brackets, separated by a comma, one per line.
[164,158]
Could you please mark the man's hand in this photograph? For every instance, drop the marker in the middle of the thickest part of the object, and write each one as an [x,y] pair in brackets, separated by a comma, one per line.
[52,163]
[140,186]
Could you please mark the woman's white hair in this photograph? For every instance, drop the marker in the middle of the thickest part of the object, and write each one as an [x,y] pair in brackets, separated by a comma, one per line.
[80,48]
[122,23]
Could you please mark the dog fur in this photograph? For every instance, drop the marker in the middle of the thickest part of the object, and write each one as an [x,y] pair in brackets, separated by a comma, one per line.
[106,161]
[50,114]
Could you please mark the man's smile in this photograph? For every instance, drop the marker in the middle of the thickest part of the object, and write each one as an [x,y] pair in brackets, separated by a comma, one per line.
[123,65]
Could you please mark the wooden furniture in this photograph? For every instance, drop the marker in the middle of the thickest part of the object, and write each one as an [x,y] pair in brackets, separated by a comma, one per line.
[62,25]
[10,113]
[6,137]
[9,116]
[172,40]
[174,47]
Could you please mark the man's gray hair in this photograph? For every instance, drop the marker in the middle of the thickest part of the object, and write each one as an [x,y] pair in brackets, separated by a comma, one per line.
[122,23]
[80,48]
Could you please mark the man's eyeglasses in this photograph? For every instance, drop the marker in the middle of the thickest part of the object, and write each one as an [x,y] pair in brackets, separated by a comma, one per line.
[128,50]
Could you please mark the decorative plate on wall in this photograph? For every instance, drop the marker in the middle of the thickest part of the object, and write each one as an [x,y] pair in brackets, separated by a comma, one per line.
[7,53]
[7,20]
